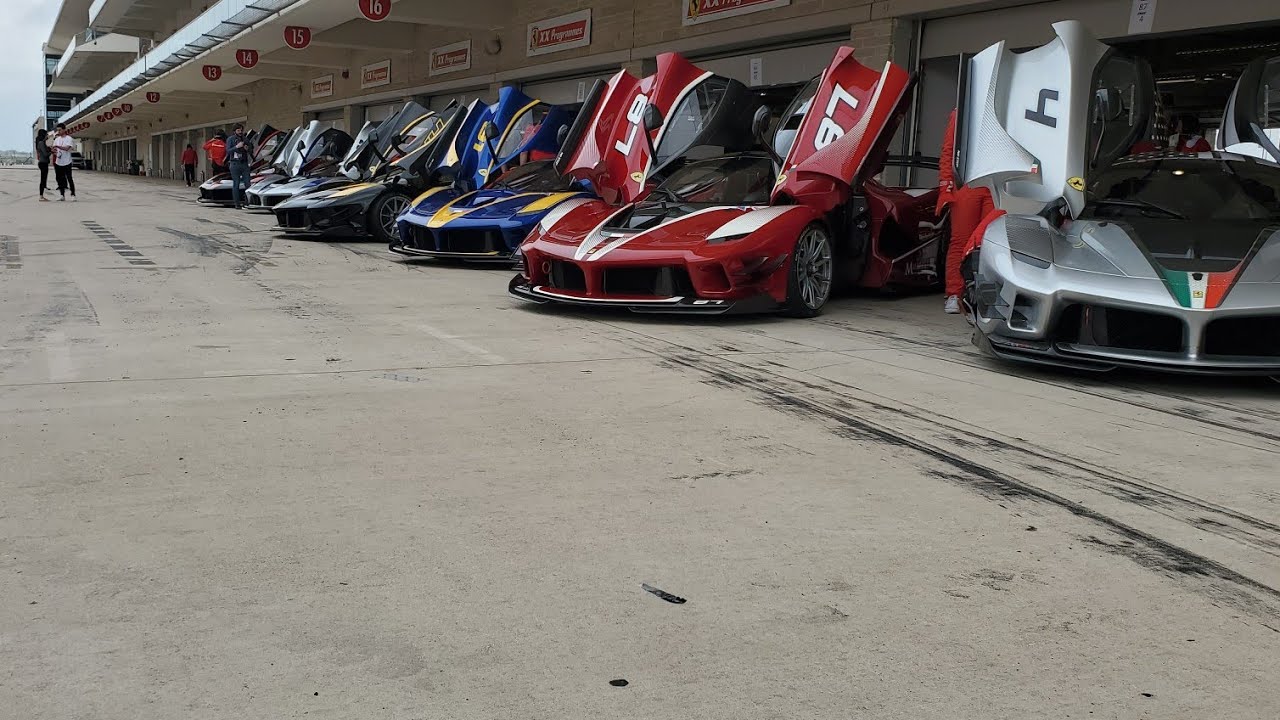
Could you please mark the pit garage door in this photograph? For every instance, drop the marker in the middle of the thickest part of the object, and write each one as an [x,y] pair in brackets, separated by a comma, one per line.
[440,102]
[563,91]
[378,113]
[775,66]
[331,119]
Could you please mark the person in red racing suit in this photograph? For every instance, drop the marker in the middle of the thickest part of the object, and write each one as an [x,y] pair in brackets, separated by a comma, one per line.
[969,207]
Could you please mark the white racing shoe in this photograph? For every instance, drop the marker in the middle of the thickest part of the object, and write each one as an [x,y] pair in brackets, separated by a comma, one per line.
[952,305]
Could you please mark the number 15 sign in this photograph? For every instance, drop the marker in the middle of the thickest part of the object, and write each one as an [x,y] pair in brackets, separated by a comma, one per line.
[297,37]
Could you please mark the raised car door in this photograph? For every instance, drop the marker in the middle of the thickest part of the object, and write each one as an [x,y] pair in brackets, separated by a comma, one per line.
[1033,125]
[1251,124]
[630,129]
[838,129]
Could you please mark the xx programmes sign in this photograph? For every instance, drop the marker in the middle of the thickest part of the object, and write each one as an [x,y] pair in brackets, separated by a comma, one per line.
[700,11]
[322,87]
[375,75]
[451,58]
[559,33]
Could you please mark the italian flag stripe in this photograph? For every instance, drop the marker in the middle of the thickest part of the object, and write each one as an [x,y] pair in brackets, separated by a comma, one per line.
[1207,292]
[1179,285]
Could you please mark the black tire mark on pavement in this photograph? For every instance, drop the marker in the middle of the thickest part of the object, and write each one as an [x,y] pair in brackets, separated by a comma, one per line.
[237,227]
[1147,550]
[211,245]
[849,417]
[122,248]
[10,258]
[1114,392]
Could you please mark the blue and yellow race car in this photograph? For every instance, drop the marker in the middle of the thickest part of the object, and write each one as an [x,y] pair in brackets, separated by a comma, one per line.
[517,183]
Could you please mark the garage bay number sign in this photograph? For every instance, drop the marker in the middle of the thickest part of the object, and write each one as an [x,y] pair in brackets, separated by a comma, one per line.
[559,33]
[700,11]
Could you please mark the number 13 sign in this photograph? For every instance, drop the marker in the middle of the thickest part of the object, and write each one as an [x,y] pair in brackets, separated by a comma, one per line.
[375,10]
[297,37]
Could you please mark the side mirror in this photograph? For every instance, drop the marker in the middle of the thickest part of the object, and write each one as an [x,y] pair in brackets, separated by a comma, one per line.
[652,117]
[1110,105]
[561,134]
[490,131]
[301,146]
[760,123]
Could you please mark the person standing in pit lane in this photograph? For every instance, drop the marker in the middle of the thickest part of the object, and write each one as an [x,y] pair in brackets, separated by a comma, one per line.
[969,206]
[189,160]
[43,155]
[216,150]
[62,146]
[1187,135]
[239,150]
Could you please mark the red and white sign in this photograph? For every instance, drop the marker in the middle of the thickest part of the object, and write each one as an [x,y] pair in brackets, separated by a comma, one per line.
[322,86]
[247,59]
[153,97]
[700,11]
[100,119]
[212,73]
[116,112]
[297,37]
[375,75]
[559,33]
[127,107]
[451,58]
[375,10]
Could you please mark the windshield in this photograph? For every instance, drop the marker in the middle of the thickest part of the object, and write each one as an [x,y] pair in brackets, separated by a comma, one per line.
[522,129]
[689,119]
[729,180]
[792,117]
[1182,187]
[536,177]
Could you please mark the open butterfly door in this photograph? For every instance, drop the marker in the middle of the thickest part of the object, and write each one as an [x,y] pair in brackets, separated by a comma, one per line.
[846,126]
[1024,129]
[629,130]
[1251,124]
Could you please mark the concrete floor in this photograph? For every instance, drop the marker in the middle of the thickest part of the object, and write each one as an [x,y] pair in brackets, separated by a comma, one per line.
[252,477]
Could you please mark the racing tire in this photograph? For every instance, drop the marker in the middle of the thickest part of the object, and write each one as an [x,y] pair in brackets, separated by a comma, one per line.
[811,273]
[383,212]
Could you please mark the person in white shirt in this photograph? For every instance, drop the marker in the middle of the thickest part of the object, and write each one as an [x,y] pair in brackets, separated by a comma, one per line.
[63,145]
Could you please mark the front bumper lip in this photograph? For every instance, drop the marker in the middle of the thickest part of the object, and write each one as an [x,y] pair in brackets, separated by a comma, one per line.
[520,287]
[1102,359]
[493,257]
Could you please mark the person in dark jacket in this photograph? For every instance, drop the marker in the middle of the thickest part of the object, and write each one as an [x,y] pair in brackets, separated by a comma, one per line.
[239,152]
[189,160]
[43,153]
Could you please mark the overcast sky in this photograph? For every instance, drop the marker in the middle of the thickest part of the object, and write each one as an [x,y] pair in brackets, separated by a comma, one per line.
[25,27]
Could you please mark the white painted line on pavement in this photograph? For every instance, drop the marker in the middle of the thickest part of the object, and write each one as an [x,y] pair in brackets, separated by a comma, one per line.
[58,354]
[461,344]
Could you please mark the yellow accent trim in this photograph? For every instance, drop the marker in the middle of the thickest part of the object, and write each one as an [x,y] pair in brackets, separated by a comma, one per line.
[426,195]
[510,126]
[1076,183]
[447,213]
[638,177]
[547,202]
[343,192]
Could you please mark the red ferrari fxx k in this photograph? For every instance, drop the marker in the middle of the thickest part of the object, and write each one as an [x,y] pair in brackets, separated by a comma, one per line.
[773,228]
